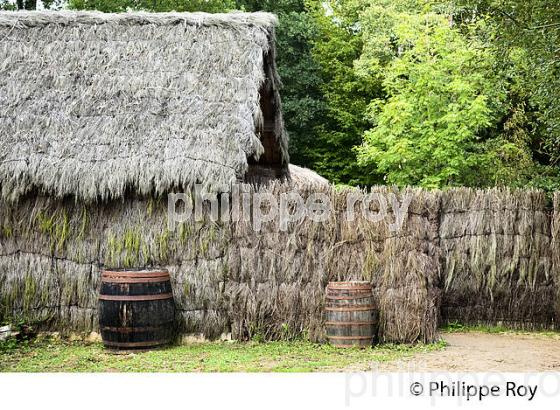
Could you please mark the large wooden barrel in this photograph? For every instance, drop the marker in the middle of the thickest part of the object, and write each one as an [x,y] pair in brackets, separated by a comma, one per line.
[136,309]
[351,316]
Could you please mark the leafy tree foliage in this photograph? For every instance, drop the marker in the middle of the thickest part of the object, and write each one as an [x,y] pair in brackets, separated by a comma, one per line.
[347,94]
[7,5]
[211,6]
[526,42]
[441,97]
[451,110]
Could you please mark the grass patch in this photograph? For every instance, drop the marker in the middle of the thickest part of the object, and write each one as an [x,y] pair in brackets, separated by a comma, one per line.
[457,327]
[60,356]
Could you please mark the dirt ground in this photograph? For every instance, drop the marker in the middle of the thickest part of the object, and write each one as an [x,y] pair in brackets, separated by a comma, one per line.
[484,352]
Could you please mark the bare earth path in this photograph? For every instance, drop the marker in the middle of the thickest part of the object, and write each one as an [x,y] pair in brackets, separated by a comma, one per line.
[484,352]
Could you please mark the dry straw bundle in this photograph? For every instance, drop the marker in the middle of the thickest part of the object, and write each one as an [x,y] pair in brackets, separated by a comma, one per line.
[277,283]
[496,248]
[556,252]
[409,286]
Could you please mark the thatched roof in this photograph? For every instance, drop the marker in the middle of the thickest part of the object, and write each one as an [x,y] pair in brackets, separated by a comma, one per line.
[95,105]
[306,178]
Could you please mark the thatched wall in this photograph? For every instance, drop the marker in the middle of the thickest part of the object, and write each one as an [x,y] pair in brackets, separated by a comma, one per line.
[497,258]
[556,253]
[470,256]
[408,287]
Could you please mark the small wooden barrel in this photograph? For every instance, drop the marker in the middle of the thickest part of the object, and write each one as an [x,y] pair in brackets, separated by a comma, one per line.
[136,309]
[351,316]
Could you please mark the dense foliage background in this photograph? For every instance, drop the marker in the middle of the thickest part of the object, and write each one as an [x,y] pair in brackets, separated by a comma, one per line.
[410,92]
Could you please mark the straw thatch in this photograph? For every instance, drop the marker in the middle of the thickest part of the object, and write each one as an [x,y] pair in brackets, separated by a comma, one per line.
[410,286]
[556,253]
[95,105]
[226,277]
[498,261]
[306,178]
[471,256]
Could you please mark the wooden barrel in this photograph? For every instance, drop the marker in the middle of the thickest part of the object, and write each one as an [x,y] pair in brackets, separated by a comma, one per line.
[136,309]
[351,316]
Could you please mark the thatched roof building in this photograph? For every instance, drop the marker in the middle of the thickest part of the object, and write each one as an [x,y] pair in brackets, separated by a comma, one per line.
[96,105]
[102,114]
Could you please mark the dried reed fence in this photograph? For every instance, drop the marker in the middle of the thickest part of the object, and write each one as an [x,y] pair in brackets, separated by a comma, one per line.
[556,255]
[497,258]
[461,255]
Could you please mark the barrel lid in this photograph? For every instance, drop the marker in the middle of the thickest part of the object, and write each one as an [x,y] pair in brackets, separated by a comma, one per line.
[356,284]
[132,270]
[134,273]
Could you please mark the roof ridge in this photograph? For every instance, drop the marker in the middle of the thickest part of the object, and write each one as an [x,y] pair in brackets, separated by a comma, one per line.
[37,18]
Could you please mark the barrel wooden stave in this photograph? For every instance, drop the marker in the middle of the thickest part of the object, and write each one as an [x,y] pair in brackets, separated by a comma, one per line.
[351,315]
[136,309]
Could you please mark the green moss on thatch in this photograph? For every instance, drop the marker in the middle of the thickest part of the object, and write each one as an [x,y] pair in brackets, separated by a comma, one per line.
[83,224]
[6,231]
[56,226]
[29,292]
[185,231]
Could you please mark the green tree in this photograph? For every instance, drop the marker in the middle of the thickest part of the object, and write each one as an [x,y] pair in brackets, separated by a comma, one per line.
[346,91]
[211,6]
[441,97]
[526,45]
[437,93]
[7,5]
[26,4]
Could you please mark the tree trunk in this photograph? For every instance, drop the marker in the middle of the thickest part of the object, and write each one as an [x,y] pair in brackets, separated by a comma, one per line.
[26,4]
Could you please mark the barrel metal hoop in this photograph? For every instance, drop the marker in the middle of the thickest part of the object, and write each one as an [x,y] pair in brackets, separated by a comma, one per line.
[139,298]
[350,337]
[350,323]
[110,279]
[135,344]
[331,297]
[350,308]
